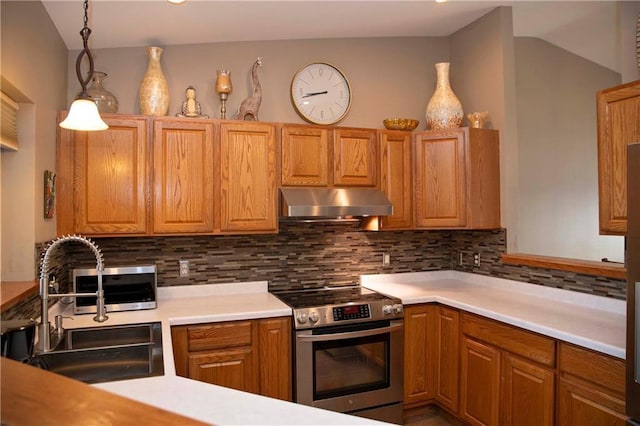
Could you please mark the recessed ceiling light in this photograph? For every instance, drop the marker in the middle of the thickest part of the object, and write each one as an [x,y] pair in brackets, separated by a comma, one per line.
[437,1]
[176,1]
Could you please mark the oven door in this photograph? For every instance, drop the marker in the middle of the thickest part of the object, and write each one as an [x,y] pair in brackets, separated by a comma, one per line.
[350,368]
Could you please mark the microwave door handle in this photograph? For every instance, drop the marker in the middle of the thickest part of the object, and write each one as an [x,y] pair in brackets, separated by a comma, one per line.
[349,335]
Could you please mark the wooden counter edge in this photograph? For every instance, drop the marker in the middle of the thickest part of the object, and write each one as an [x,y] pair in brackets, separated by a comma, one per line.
[13,292]
[32,396]
[589,267]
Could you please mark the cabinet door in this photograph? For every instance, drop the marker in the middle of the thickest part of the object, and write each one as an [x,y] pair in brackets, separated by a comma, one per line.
[618,126]
[448,358]
[440,179]
[183,167]
[110,179]
[480,383]
[304,155]
[247,177]
[275,358]
[395,178]
[580,404]
[354,157]
[419,353]
[232,368]
[527,393]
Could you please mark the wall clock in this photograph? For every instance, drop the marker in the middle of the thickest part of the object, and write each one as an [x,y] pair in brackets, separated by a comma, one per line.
[321,93]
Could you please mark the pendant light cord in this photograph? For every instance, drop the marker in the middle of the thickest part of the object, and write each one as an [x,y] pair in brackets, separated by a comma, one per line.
[84,33]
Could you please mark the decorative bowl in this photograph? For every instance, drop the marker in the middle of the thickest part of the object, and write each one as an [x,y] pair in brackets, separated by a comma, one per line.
[408,124]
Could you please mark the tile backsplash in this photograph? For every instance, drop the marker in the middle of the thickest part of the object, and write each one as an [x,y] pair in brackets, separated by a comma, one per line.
[305,255]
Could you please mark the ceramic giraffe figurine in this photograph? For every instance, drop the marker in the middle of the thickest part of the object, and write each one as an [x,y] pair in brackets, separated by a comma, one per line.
[251,105]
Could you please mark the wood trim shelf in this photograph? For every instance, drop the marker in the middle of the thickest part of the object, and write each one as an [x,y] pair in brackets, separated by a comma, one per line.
[589,267]
[13,292]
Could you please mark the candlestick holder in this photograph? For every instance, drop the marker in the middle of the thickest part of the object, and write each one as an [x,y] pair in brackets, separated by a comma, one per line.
[223,87]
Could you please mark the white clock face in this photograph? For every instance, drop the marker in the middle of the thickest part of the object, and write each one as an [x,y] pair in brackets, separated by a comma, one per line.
[321,93]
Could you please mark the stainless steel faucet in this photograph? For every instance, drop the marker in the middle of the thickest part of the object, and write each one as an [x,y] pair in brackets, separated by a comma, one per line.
[44,333]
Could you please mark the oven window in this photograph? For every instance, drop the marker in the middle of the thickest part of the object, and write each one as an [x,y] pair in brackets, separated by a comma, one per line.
[348,366]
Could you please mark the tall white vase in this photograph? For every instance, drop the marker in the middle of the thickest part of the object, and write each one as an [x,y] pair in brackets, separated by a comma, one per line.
[444,110]
[153,97]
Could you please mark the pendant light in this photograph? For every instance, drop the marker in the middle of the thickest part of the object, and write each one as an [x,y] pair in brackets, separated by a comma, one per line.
[83,113]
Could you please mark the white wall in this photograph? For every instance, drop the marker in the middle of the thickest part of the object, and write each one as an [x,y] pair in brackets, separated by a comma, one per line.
[558,156]
[34,69]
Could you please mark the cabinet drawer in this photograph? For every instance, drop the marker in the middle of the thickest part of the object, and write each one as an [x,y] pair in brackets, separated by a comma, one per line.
[521,342]
[592,366]
[221,335]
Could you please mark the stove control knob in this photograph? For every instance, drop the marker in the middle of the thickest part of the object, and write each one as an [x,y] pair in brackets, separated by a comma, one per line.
[301,317]
[314,317]
[397,308]
[387,309]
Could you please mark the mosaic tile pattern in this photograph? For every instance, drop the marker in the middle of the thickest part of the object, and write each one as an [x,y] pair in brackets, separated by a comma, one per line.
[310,255]
[491,245]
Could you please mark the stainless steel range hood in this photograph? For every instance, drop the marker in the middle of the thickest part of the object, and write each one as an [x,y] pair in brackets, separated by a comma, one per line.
[331,203]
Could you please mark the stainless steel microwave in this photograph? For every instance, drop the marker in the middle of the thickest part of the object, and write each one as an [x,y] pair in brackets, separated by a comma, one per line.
[125,288]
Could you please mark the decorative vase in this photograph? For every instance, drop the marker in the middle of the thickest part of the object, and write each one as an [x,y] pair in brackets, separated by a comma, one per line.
[104,99]
[444,110]
[153,97]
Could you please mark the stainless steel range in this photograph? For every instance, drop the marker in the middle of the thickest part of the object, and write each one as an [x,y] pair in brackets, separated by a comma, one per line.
[348,351]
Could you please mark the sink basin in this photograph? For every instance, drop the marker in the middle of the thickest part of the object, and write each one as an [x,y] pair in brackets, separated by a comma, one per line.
[103,354]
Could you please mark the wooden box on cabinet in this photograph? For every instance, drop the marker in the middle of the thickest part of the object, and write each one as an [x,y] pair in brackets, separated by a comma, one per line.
[396,177]
[457,179]
[251,355]
[103,179]
[618,126]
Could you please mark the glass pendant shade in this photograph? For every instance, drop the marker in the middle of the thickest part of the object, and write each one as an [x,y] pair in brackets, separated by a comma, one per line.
[84,115]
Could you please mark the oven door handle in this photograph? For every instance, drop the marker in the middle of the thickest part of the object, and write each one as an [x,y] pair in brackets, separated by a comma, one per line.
[349,335]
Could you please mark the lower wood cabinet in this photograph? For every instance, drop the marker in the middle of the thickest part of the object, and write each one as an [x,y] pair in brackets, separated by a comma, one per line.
[419,354]
[527,393]
[485,372]
[591,389]
[480,383]
[508,374]
[252,355]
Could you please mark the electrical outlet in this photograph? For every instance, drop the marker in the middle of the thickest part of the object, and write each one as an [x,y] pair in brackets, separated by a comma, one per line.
[184,268]
[386,259]
[476,259]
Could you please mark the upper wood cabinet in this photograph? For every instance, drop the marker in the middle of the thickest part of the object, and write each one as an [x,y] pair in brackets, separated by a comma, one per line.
[457,179]
[248,196]
[102,179]
[618,126]
[328,156]
[396,177]
[183,173]
[304,156]
[354,157]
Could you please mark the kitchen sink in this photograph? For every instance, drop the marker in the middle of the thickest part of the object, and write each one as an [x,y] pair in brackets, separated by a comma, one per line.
[103,354]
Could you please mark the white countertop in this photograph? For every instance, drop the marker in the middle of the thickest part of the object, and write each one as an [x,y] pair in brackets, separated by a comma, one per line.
[202,401]
[590,321]
[594,322]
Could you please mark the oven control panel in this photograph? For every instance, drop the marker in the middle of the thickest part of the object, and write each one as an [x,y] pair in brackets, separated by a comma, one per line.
[351,312]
